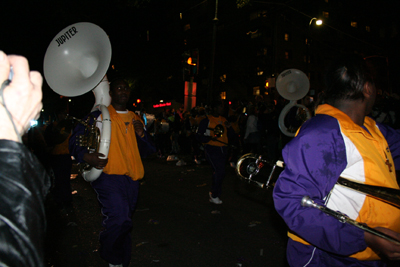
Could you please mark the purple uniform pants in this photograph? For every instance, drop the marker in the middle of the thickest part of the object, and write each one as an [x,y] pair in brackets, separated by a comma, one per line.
[117,195]
[217,156]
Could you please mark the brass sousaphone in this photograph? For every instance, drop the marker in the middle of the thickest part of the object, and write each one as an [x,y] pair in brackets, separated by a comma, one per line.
[76,61]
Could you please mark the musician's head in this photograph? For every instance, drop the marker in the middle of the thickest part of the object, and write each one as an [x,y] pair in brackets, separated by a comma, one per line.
[347,78]
[119,92]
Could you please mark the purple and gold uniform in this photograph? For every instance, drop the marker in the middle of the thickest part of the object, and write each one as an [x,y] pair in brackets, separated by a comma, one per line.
[328,146]
[118,185]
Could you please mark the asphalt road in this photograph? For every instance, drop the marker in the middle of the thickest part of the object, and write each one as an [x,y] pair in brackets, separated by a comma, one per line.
[175,224]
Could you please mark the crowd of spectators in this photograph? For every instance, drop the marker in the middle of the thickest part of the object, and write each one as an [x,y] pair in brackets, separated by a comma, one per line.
[255,123]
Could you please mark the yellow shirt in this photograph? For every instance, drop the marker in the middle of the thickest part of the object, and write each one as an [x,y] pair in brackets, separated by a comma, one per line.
[213,122]
[123,155]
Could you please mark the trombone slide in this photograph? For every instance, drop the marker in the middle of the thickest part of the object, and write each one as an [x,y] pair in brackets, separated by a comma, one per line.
[306,201]
[385,194]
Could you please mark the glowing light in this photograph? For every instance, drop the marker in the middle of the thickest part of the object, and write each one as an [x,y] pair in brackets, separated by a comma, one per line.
[189,61]
[34,123]
[162,105]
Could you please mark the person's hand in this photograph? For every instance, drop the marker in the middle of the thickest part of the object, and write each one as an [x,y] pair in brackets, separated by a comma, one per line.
[139,128]
[383,247]
[22,97]
[96,160]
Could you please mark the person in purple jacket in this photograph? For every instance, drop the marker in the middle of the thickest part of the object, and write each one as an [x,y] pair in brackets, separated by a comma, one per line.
[340,141]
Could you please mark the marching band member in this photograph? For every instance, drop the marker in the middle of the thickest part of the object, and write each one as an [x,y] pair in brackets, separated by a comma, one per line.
[341,140]
[215,147]
[117,187]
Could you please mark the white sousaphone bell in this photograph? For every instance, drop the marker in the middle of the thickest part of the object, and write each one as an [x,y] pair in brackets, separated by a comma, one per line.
[292,84]
[76,61]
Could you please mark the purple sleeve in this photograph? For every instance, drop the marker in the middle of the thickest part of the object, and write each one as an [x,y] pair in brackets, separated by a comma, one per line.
[201,131]
[146,145]
[313,162]
[393,138]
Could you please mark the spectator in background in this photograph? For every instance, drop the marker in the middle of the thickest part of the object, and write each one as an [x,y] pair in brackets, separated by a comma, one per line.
[57,136]
[252,135]
[269,130]
[161,138]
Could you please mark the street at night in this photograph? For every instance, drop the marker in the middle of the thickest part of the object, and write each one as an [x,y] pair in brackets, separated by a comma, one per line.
[312,83]
[175,224]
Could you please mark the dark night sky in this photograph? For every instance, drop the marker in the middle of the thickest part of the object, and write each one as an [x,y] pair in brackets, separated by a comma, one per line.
[27,27]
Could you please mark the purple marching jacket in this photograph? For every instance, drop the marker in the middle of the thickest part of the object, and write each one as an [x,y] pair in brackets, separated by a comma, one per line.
[328,146]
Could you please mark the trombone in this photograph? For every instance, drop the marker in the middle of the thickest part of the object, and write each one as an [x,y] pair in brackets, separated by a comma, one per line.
[255,163]
[385,194]
[306,201]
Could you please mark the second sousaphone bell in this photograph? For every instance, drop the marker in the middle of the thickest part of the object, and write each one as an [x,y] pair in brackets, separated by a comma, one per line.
[292,84]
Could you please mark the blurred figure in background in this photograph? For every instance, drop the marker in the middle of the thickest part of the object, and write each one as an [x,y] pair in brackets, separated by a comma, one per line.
[57,136]
[252,135]
[215,147]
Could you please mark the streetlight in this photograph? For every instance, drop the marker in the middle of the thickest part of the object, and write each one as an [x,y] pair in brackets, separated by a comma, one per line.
[318,22]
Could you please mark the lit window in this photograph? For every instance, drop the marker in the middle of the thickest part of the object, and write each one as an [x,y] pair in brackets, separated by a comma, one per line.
[259,73]
[223,95]
[325,14]
[262,14]
[368,28]
[353,24]
[256,90]
[288,55]
[286,37]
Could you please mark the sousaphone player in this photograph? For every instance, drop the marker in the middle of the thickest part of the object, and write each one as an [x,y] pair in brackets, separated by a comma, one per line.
[76,61]
[117,187]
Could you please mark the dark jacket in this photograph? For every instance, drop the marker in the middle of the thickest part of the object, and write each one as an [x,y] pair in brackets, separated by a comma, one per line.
[24,184]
